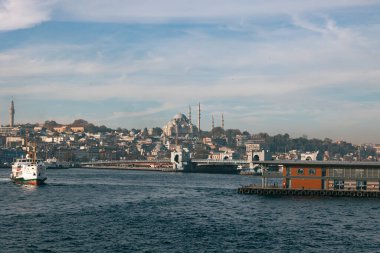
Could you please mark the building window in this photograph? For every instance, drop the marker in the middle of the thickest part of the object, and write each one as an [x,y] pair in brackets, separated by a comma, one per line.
[311,171]
[361,185]
[338,172]
[338,184]
[359,173]
[300,171]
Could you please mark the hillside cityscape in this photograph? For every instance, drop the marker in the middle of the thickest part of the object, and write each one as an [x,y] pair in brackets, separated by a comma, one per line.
[82,141]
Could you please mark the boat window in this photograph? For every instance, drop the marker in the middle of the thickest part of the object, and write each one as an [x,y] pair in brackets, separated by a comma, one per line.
[300,171]
[311,171]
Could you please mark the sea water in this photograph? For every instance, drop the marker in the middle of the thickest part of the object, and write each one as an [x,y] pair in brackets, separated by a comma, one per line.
[82,210]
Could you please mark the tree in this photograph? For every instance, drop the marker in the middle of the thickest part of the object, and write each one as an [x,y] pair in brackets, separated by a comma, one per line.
[49,124]
[80,122]
[217,132]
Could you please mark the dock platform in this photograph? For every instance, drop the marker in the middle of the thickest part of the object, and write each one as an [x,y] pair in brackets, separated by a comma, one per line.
[272,191]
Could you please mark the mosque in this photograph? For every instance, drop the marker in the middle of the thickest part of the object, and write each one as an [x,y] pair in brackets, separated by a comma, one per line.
[181,126]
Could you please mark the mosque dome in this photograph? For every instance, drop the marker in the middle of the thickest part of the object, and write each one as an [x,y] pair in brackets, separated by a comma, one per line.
[180,116]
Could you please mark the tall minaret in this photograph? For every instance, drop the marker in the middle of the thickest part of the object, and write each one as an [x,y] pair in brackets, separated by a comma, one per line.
[12,114]
[189,114]
[222,121]
[212,124]
[199,118]
[176,134]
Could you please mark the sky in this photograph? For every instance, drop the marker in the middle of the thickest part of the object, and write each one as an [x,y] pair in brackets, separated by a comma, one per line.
[277,66]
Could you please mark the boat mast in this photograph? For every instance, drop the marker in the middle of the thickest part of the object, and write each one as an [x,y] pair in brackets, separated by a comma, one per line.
[26,142]
[34,152]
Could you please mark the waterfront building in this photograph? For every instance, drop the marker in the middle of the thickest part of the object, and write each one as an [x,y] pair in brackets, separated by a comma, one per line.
[9,155]
[156,131]
[310,156]
[324,175]
[77,129]
[223,155]
[9,131]
[60,129]
[14,141]
[377,148]
[332,176]
[251,145]
[241,140]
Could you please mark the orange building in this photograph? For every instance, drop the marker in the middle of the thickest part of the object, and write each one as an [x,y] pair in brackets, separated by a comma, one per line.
[323,175]
[60,129]
[77,129]
[302,177]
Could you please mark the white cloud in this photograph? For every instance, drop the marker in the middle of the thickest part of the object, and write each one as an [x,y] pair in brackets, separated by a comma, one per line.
[194,10]
[18,14]
[262,79]
[179,68]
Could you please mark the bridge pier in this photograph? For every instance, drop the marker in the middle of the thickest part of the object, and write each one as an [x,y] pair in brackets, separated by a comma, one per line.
[181,160]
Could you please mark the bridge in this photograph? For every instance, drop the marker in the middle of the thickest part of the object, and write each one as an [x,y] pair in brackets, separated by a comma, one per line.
[221,162]
[163,164]
[129,164]
[157,162]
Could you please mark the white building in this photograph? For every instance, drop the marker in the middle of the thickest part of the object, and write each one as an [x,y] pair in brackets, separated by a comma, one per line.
[180,126]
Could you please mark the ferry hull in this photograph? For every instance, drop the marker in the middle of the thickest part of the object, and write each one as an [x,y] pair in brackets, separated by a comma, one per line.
[29,181]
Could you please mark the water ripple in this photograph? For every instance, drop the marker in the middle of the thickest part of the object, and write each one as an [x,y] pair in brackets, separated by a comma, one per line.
[127,211]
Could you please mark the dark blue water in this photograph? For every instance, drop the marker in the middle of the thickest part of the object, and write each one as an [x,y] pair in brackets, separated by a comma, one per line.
[127,211]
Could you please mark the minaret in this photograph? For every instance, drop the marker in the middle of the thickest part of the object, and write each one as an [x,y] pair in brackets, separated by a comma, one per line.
[199,118]
[176,134]
[222,121]
[212,124]
[12,114]
[189,114]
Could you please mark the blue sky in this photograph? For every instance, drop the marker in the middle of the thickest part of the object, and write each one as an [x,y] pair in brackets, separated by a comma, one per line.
[297,67]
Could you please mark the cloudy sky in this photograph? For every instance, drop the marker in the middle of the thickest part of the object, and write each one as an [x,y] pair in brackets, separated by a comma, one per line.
[297,67]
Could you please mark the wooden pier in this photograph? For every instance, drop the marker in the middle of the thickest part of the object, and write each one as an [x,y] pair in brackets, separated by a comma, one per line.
[272,191]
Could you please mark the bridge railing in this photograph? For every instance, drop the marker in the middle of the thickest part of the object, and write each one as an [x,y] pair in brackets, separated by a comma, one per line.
[125,161]
[220,161]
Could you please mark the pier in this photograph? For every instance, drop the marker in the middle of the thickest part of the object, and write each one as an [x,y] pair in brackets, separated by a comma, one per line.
[317,178]
[273,191]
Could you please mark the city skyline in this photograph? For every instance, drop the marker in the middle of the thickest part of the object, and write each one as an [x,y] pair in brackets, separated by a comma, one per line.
[276,67]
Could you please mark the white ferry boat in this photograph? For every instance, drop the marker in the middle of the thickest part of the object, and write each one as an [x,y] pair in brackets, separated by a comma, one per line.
[53,163]
[29,171]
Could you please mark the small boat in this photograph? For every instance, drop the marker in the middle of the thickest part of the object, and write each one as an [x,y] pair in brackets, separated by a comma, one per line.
[53,163]
[28,171]
[256,171]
